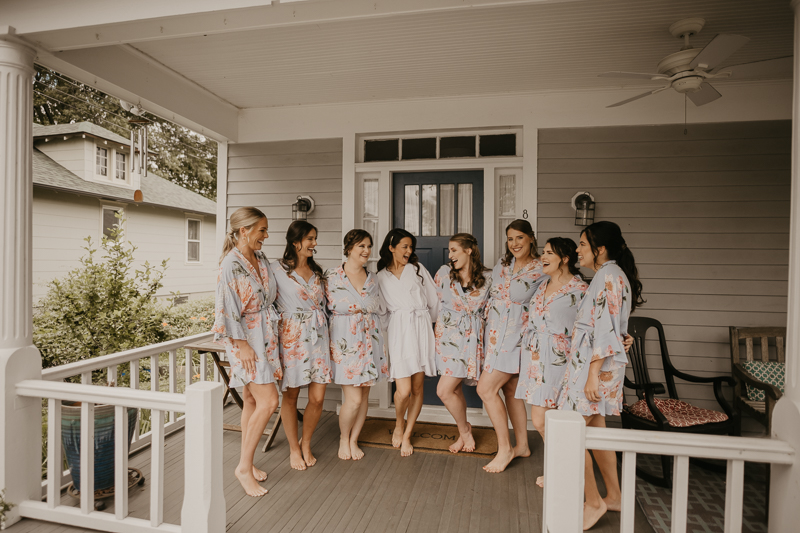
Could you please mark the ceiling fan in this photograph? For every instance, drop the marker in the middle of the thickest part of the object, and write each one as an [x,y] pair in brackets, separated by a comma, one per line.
[689,70]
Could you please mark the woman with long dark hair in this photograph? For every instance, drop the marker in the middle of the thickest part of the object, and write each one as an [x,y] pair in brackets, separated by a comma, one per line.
[303,334]
[358,350]
[514,280]
[411,303]
[597,360]
[463,289]
[246,323]
[547,337]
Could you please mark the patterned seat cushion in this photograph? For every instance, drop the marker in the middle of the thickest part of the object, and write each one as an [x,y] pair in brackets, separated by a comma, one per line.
[771,372]
[679,414]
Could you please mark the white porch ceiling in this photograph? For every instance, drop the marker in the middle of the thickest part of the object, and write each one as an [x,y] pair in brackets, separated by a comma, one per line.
[487,50]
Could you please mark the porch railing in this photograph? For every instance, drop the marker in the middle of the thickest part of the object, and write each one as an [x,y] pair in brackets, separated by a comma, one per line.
[567,438]
[201,405]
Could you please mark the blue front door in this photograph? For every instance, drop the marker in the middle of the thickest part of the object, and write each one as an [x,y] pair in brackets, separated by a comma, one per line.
[433,206]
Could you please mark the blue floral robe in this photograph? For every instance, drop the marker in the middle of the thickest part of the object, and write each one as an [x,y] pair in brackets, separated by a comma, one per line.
[459,327]
[303,333]
[507,314]
[600,327]
[546,342]
[358,351]
[244,310]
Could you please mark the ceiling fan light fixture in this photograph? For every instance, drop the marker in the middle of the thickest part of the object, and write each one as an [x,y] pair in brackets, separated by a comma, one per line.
[689,84]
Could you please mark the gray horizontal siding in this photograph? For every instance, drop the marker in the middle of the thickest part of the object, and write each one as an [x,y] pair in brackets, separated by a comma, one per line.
[706,215]
[271,175]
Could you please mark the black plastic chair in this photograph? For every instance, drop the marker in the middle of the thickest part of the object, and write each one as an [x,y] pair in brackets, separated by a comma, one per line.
[646,391]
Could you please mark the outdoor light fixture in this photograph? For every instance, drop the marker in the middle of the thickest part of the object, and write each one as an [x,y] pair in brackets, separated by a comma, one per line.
[583,203]
[302,207]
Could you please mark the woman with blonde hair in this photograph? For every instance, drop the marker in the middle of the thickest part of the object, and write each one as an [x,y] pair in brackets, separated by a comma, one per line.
[246,323]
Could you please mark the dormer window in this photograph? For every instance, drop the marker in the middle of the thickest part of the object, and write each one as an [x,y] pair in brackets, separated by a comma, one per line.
[120,169]
[101,162]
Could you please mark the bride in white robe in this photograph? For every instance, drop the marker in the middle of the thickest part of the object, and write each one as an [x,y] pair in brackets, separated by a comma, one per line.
[411,307]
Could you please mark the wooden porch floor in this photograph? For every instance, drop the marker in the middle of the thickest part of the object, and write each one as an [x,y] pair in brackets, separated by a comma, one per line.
[383,492]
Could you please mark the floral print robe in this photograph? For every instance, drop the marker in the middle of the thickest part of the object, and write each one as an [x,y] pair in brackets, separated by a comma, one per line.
[358,351]
[546,342]
[303,332]
[459,327]
[600,327]
[244,310]
[507,314]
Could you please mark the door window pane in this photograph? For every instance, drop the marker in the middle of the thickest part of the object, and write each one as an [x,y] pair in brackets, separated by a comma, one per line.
[508,191]
[370,198]
[493,145]
[411,222]
[371,225]
[419,148]
[457,147]
[429,210]
[447,209]
[382,150]
[465,208]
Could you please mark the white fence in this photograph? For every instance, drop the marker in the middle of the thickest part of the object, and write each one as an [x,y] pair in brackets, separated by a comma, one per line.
[567,438]
[201,403]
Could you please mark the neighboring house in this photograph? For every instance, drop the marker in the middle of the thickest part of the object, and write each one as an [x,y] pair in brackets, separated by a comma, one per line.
[82,177]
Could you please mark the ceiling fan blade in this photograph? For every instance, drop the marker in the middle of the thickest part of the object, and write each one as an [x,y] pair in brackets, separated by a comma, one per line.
[648,93]
[779,67]
[635,75]
[705,95]
[718,50]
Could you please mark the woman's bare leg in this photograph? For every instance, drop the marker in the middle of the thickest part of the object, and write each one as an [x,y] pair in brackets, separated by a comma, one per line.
[537,417]
[311,414]
[449,391]
[347,418]
[489,386]
[594,507]
[355,452]
[289,419]
[607,462]
[414,408]
[402,396]
[248,406]
[519,417]
[265,398]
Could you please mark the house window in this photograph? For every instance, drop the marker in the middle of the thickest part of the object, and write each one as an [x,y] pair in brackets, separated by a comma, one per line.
[369,220]
[109,220]
[464,146]
[120,170]
[506,208]
[192,240]
[101,161]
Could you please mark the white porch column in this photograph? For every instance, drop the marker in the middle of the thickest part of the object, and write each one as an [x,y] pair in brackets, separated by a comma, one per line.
[784,508]
[20,418]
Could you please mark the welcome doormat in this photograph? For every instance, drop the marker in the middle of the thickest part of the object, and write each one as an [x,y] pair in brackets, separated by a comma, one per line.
[430,438]
[706,509]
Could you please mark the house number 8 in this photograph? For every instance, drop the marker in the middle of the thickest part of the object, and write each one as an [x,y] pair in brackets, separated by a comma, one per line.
[525,214]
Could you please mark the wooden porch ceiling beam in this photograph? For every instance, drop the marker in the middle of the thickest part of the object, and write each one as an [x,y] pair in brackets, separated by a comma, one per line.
[126,73]
[176,19]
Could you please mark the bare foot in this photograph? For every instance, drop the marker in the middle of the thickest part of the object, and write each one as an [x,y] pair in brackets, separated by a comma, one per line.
[592,514]
[259,474]
[249,483]
[522,450]
[500,461]
[458,445]
[297,461]
[406,448]
[309,457]
[469,441]
[613,505]
[397,436]
[355,451]
[344,449]
[540,482]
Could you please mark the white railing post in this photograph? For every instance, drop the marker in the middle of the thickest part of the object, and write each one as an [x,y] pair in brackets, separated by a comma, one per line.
[20,418]
[203,498]
[564,444]
[784,504]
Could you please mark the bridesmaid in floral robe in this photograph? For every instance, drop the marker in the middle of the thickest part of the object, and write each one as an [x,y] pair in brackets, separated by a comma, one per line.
[358,352]
[514,280]
[596,361]
[245,322]
[303,335]
[546,341]
[463,288]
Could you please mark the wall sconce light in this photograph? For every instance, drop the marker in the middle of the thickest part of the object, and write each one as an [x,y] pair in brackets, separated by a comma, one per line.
[583,204]
[302,208]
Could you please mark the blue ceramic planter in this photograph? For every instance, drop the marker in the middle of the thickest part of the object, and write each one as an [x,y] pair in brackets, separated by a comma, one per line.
[103,442]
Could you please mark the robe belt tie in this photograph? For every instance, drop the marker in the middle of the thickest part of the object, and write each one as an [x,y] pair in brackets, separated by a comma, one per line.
[307,316]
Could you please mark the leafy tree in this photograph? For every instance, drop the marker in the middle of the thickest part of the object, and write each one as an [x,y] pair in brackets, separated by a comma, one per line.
[178,154]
